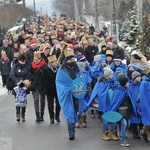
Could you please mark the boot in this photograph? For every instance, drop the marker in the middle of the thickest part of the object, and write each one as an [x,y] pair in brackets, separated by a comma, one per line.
[113,136]
[57,118]
[83,121]
[23,117]
[18,117]
[105,136]
[77,124]
[41,117]
[92,113]
[37,117]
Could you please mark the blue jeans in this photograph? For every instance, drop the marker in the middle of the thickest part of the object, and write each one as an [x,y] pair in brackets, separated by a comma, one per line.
[71,127]
[23,110]
[124,125]
[105,126]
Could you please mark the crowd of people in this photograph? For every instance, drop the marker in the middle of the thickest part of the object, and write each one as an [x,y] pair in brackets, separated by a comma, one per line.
[46,56]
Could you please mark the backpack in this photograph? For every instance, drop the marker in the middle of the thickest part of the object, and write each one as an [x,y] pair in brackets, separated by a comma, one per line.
[10,84]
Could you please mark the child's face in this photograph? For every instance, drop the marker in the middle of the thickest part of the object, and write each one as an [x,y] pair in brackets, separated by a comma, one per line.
[109,58]
[96,63]
[138,79]
[103,63]
[117,62]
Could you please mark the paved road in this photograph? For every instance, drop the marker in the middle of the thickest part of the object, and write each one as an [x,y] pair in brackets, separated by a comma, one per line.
[45,136]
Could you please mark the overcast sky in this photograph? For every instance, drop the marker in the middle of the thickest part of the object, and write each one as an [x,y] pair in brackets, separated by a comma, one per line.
[43,6]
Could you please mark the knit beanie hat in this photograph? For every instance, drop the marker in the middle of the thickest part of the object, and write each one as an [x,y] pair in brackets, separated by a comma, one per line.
[135,74]
[122,79]
[107,72]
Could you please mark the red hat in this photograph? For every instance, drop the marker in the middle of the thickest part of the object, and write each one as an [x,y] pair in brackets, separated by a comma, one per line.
[32,42]
[45,47]
[70,47]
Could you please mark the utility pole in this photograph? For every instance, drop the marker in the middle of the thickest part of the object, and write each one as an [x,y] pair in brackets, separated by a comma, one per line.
[83,10]
[114,20]
[139,5]
[75,10]
[96,15]
[34,8]
[24,7]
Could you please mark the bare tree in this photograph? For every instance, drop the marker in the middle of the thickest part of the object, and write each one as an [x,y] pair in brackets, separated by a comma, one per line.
[11,13]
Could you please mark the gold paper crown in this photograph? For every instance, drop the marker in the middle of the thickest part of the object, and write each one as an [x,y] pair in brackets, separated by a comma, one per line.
[37,54]
[147,69]
[85,42]
[16,55]
[46,37]
[103,43]
[40,35]
[5,41]
[27,83]
[69,53]
[90,40]
[139,53]
[52,58]
[3,53]
[109,52]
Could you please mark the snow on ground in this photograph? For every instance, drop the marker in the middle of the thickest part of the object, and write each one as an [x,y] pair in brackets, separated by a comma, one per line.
[3,90]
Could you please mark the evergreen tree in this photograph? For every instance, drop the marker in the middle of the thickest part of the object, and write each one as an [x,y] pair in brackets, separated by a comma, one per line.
[145,37]
[123,29]
[132,31]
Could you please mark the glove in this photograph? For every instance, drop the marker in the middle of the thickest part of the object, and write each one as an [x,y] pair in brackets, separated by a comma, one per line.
[21,84]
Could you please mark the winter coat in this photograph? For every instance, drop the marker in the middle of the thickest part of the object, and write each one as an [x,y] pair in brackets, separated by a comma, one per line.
[118,52]
[5,67]
[90,52]
[20,72]
[50,80]
[38,76]
[30,55]
[45,57]
[8,51]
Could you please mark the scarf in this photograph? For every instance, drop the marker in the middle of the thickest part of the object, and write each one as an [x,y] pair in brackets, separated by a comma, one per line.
[54,69]
[38,66]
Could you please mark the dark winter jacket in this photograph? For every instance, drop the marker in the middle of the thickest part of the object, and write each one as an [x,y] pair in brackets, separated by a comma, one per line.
[90,52]
[50,80]
[8,51]
[30,55]
[38,76]
[118,52]
[45,57]
[5,67]
[20,72]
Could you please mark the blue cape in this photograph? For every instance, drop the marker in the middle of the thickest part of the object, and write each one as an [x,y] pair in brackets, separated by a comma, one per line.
[63,86]
[118,96]
[135,88]
[98,70]
[123,66]
[144,97]
[101,89]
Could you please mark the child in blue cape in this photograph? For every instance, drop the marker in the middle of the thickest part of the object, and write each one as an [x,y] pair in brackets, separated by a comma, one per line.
[100,90]
[123,104]
[87,80]
[135,87]
[145,103]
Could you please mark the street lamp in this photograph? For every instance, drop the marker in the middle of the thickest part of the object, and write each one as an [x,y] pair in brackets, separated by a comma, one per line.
[114,20]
